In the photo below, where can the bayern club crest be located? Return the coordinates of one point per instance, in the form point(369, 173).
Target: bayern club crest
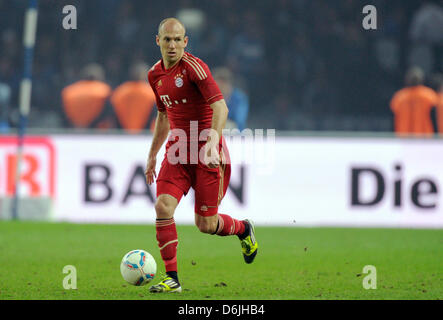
point(179, 80)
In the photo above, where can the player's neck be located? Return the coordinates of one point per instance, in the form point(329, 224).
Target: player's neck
point(172, 65)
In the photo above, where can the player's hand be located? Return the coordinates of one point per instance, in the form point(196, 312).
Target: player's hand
point(150, 170)
point(212, 157)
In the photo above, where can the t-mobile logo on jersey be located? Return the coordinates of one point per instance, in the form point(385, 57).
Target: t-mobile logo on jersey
point(166, 100)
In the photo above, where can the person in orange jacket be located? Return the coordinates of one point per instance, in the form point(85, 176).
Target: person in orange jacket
point(412, 106)
point(84, 102)
point(134, 101)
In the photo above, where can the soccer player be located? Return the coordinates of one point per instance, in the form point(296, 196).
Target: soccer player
point(189, 102)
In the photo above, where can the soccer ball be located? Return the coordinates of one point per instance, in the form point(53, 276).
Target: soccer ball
point(138, 267)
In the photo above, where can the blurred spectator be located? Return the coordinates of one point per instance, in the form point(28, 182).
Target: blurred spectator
point(84, 101)
point(236, 100)
point(213, 42)
point(5, 93)
point(412, 106)
point(134, 100)
point(387, 52)
point(127, 24)
point(427, 23)
point(194, 19)
point(246, 54)
point(426, 31)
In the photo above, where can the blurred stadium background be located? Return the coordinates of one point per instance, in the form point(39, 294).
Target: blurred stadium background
point(309, 60)
point(307, 69)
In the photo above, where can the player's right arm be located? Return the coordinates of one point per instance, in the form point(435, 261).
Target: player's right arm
point(161, 131)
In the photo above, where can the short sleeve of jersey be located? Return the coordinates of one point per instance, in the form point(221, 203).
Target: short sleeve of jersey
point(200, 74)
point(159, 103)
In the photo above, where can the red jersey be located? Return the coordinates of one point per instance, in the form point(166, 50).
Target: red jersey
point(186, 92)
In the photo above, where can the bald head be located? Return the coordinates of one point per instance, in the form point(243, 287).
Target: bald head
point(172, 40)
point(171, 25)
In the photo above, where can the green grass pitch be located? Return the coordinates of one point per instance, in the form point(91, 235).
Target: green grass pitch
point(292, 263)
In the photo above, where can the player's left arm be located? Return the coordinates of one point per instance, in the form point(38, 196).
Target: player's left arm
point(219, 116)
point(201, 75)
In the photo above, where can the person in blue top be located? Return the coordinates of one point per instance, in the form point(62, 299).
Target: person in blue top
point(236, 99)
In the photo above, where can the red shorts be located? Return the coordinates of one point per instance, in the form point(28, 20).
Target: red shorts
point(210, 185)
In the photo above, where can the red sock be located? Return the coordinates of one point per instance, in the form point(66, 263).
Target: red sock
point(228, 226)
point(167, 242)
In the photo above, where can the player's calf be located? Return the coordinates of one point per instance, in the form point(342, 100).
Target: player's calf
point(228, 226)
point(206, 224)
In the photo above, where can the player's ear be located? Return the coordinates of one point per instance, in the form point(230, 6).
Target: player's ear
point(185, 40)
point(157, 40)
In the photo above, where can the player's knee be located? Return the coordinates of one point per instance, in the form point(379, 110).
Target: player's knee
point(163, 210)
point(206, 227)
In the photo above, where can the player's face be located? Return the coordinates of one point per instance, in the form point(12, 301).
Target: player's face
point(172, 43)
